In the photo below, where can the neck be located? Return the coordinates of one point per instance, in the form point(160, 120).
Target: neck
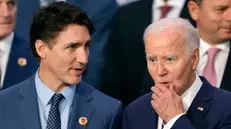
point(50, 80)
point(210, 39)
point(191, 81)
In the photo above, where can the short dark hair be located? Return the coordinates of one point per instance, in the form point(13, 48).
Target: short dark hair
point(49, 21)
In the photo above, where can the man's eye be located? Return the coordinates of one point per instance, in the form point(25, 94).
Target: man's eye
point(87, 45)
point(152, 59)
point(169, 59)
point(72, 46)
point(12, 2)
point(221, 9)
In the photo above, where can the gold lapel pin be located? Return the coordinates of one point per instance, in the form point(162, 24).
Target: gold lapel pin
point(83, 121)
point(22, 61)
point(200, 108)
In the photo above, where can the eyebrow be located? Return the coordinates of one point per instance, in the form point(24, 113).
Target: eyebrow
point(171, 56)
point(72, 43)
point(221, 6)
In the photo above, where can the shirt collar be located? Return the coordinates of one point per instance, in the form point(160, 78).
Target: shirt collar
point(204, 47)
point(5, 43)
point(190, 94)
point(44, 93)
point(178, 4)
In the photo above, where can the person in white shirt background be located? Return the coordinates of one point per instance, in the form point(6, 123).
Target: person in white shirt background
point(213, 19)
point(16, 60)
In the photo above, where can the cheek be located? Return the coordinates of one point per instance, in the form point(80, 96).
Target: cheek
point(180, 72)
point(151, 70)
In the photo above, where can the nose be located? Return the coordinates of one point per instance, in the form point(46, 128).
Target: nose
point(82, 55)
point(161, 69)
point(227, 15)
point(4, 10)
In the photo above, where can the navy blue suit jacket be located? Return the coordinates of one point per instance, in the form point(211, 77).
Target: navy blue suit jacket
point(15, 72)
point(19, 108)
point(216, 113)
point(26, 11)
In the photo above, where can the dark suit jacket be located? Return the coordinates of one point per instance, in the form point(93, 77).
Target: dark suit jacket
point(125, 71)
point(19, 108)
point(226, 81)
point(15, 72)
point(26, 11)
point(216, 113)
point(102, 14)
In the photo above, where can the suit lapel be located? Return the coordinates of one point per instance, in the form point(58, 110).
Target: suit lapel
point(226, 81)
point(201, 104)
point(28, 107)
point(154, 121)
point(81, 107)
point(12, 65)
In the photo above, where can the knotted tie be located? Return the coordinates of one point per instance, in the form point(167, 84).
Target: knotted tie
point(209, 71)
point(54, 121)
point(165, 10)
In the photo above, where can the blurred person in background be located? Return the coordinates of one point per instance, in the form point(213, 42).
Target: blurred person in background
point(213, 19)
point(16, 59)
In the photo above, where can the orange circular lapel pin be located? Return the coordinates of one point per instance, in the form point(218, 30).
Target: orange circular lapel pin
point(83, 121)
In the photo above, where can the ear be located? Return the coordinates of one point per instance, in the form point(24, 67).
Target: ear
point(194, 10)
point(41, 48)
point(195, 58)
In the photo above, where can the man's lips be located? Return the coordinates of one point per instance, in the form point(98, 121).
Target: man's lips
point(78, 71)
point(5, 23)
point(163, 83)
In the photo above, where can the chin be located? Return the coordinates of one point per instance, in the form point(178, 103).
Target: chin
point(75, 80)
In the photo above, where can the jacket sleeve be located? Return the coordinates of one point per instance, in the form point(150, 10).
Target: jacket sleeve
point(183, 123)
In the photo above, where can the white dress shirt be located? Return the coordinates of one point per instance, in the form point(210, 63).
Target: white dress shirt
point(45, 2)
point(187, 98)
point(177, 6)
point(5, 46)
point(220, 59)
point(124, 2)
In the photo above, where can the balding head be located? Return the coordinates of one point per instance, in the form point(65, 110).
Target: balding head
point(172, 53)
point(179, 25)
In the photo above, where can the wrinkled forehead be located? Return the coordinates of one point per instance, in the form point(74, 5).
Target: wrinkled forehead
point(170, 39)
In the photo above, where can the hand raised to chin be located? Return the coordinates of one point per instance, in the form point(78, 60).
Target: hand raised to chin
point(166, 102)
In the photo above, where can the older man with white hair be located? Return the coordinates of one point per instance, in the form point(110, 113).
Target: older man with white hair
point(180, 98)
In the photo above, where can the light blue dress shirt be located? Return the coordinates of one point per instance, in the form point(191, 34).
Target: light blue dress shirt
point(44, 95)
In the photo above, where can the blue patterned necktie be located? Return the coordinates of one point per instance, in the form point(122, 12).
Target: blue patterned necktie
point(54, 120)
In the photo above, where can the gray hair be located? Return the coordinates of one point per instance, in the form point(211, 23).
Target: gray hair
point(179, 24)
